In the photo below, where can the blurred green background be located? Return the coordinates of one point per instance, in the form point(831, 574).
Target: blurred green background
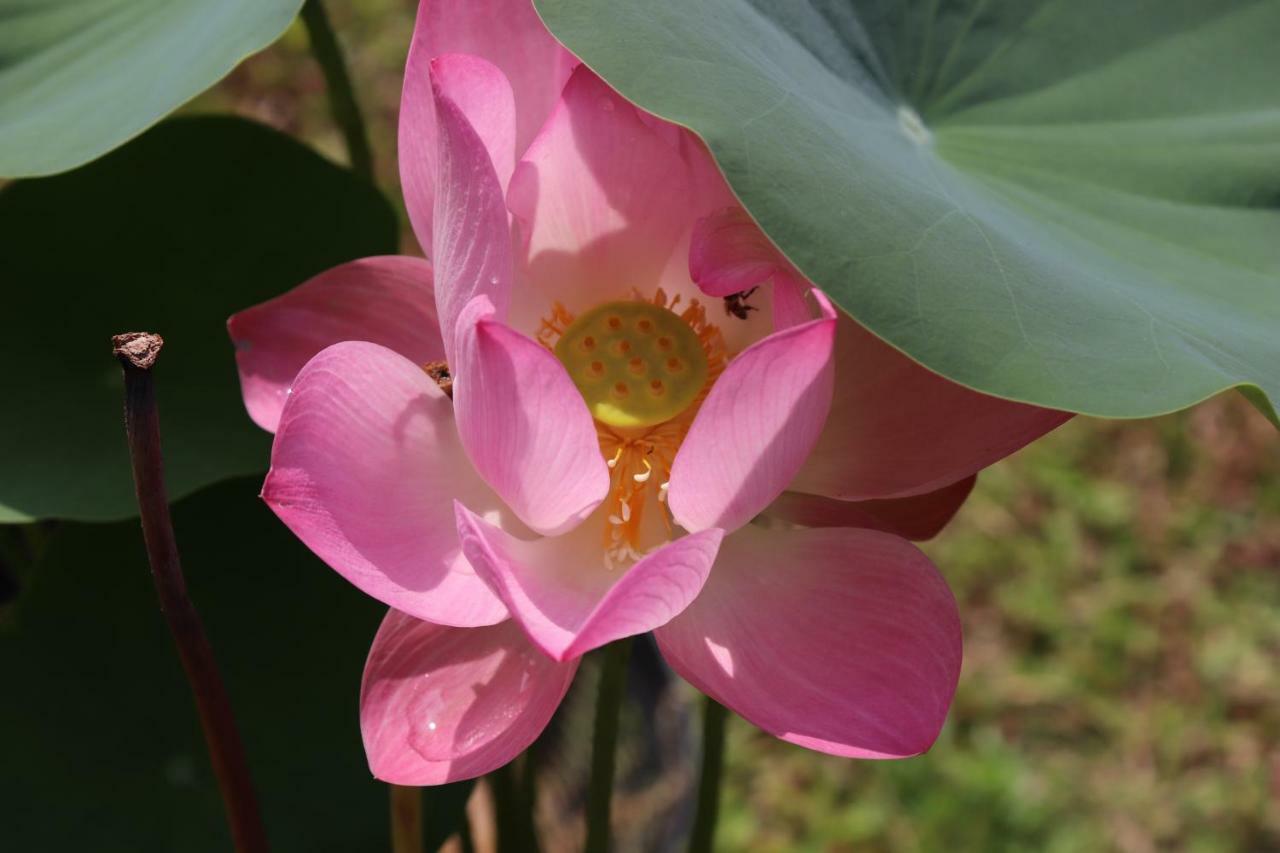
point(1119, 584)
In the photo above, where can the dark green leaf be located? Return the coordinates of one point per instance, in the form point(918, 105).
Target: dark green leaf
point(171, 234)
point(1072, 204)
point(103, 750)
point(78, 78)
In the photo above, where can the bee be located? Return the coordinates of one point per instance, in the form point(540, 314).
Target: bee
point(736, 303)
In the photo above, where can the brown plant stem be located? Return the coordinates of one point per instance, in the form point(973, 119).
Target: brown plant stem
point(137, 353)
point(406, 819)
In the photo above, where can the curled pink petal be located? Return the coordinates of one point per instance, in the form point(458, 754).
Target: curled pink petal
point(509, 34)
point(564, 596)
point(525, 425)
point(917, 518)
point(386, 300)
point(481, 93)
point(755, 429)
point(729, 253)
point(471, 240)
point(843, 641)
point(505, 35)
point(789, 305)
point(441, 704)
point(897, 429)
point(365, 464)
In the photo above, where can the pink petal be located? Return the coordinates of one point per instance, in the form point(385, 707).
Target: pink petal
point(707, 192)
point(441, 704)
point(365, 464)
point(471, 241)
point(897, 429)
point(525, 425)
point(730, 253)
point(918, 518)
point(708, 187)
point(755, 428)
point(606, 200)
point(843, 641)
point(568, 602)
point(789, 305)
point(509, 34)
point(482, 94)
point(386, 300)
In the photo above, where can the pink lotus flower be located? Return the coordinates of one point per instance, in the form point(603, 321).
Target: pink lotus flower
point(612, 432)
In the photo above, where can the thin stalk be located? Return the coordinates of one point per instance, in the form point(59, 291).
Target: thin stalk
point(604, 741)
point(406, 819)
point(137, 354)
point(342, 95)
point(502, 784)
point(714, 717)
point(512, 813)
point(528, 771)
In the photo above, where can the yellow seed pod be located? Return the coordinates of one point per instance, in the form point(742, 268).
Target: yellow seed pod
point(637, 364)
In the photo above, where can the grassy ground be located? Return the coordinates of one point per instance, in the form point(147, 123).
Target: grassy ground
point(1120, 588)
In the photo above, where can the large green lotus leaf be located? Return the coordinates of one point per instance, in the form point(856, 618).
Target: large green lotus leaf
point(79, 77)
point(172, 234)
point(103, 749)
point(1075, 204)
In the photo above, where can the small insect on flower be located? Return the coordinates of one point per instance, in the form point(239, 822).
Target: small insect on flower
point(735, 304)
